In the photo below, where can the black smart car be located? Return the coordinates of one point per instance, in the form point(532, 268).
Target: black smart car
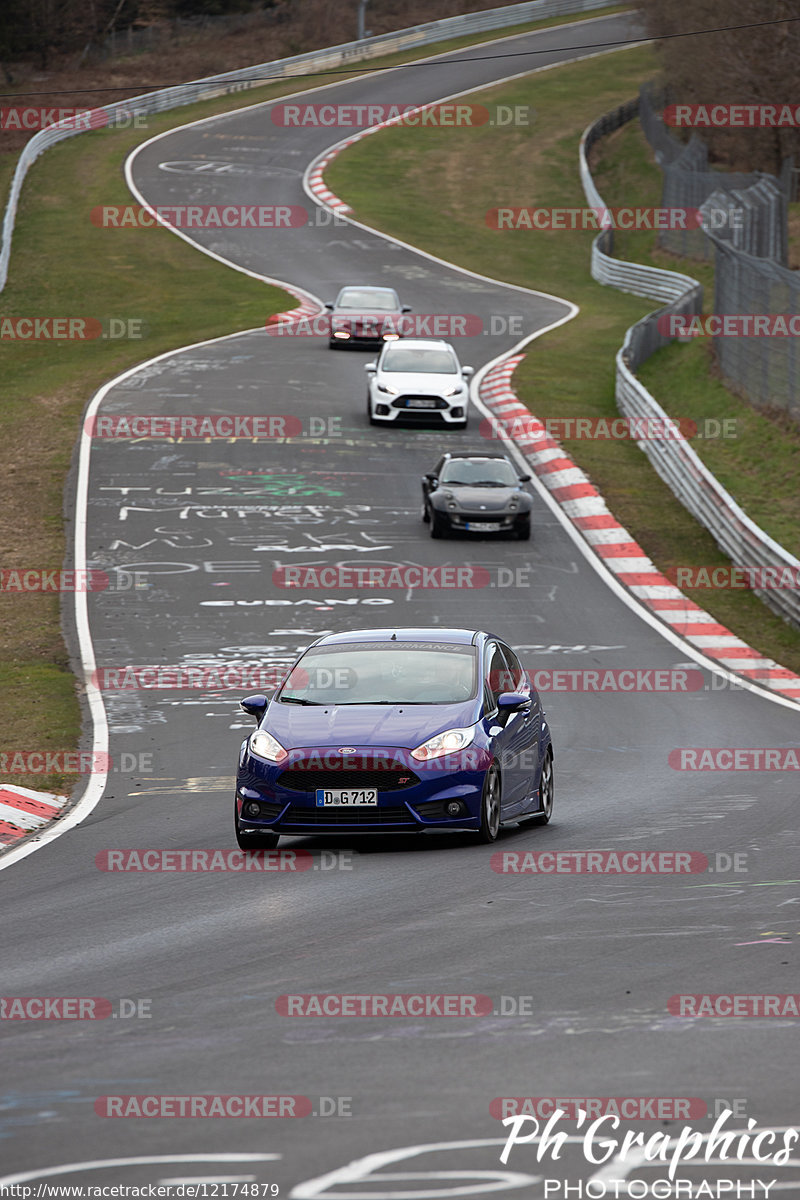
point(476, 493)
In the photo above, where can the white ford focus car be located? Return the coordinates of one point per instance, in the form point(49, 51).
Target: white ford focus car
point(418, 378)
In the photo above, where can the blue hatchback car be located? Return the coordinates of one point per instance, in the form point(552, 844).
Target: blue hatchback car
point(395, 731)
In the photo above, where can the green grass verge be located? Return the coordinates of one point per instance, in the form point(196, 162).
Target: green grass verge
point(433, 188)
point(62, 265)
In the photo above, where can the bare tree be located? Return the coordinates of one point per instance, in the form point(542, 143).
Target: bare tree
point(726, 65)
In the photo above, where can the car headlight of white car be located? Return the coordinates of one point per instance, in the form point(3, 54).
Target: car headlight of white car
point(385, 387)
point(266, 746)
point(449, 742)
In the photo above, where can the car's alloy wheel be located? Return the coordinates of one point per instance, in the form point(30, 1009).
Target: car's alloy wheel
point(253, 841)
point(490, 806)
point(546, 790)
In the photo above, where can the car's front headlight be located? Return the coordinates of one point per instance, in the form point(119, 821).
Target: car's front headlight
point(384, 387)
point(266, 746)
point(454, 391)
point(449, 742)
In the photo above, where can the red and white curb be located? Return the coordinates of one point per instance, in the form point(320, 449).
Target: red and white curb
point(306, 309)
point(624, 557)
point(316, 184)
point(23, 811)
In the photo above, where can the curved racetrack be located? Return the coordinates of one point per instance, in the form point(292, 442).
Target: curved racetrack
point(206, 524)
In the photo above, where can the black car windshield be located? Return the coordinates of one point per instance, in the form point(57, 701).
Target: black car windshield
point(383, 673)
point(477, 473)
point(363, 298)
point(423, 362)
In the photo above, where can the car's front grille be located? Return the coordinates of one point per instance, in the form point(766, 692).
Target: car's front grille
point(299, 779)
point(366, 815)
point(432, 403)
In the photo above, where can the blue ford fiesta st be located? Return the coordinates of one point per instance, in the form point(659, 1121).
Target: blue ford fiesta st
point(395, 731)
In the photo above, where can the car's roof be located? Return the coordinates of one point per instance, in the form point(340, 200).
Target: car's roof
point(479, 457)
point(366, 287)
point(462, 637)
point(420, 344)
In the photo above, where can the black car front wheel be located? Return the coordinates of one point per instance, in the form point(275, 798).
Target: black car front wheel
point(370, 417)
point(253, 841)
point(438, 525)
point(490, 806)
point(522, 529)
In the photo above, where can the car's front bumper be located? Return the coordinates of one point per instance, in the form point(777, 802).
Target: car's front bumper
point(398, 410)
point(417, 807)
point(466, 522)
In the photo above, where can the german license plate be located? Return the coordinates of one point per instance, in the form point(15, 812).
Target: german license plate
point(346, 797)
point(420, 403)
point(483, 526)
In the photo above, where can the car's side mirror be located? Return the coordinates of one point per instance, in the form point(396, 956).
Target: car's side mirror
point(432, 479)
point(513, 701)
point(467, 372)
point(524, 478)
point(255, 706)
point(329, 306)
point(406, 308)
point(371, 368)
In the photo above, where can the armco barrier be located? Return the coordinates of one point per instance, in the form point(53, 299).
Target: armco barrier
point(284, 68)
point(674, 459)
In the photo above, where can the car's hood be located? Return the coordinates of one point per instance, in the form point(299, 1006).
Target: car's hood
point(419, 383)
point(490, 498)
point(360, 725)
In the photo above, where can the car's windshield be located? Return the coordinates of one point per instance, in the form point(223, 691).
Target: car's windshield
point(383, 673)
point(360, 298)
point(424, 362)
point(478, 473)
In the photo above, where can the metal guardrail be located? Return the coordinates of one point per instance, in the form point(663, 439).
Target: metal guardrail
point(673, 459)
point(250, 77)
